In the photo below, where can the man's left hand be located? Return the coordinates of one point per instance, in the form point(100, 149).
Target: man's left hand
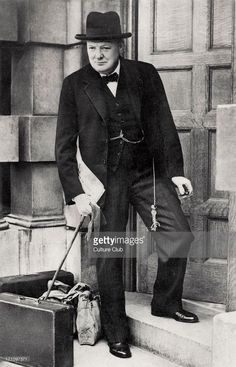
point(183, 185)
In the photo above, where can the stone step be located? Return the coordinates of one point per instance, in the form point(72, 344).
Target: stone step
point(186, 344)
point(99, 356)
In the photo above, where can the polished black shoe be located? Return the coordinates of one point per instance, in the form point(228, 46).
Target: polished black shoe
point(181, 315)
point(120, 350)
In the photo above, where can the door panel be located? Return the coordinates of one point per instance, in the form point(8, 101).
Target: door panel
point(171, 30)
point(221, 23)
point(189, 42)
point(175, 81)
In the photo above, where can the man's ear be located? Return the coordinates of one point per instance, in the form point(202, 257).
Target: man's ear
point(121, 46)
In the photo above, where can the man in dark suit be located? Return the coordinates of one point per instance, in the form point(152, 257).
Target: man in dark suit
point(127, 138)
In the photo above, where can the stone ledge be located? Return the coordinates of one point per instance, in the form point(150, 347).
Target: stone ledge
point(3, 224)
point(36, 222)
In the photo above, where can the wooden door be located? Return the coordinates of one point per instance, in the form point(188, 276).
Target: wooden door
point(189, 42)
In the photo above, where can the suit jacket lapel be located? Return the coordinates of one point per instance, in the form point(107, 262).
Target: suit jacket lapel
point(94, 89)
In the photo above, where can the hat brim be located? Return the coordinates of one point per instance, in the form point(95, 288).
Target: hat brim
point(85, 37)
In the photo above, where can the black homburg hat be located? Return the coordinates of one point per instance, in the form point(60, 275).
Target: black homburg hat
point(103, 26)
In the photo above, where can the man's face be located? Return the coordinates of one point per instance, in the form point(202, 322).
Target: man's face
point(103, 55)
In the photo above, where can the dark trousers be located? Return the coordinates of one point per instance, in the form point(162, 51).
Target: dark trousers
point(129, 184)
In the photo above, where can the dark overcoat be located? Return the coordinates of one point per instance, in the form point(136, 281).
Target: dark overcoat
point(83, 113)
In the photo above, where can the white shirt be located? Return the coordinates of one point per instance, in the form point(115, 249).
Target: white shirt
point(113, 85)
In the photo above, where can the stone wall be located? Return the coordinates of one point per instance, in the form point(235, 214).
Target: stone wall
point(38, 36)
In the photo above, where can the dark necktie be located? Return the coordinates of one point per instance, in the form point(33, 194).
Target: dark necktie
point(110, 78)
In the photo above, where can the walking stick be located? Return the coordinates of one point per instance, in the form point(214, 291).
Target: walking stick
point(77, 229)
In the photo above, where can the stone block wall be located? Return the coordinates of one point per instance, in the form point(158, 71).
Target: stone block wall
point(43, 21)
point(38, 71)
point(37, 75)
point(39, 35)
point(8, 21)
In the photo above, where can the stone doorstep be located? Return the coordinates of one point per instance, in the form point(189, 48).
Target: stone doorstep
point(185, 344)
point(99, 356)
point(211, 309)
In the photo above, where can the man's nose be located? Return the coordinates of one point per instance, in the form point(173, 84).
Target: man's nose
point(99, 54)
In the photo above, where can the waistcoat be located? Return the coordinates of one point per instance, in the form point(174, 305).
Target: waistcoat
point(122, 117)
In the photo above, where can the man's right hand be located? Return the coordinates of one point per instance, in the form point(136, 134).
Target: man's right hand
point(82, 202)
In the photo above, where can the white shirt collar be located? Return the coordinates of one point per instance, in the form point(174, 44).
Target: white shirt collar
point(117, 70)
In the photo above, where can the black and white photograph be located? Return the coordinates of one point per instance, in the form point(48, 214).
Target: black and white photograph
point(118, 183)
